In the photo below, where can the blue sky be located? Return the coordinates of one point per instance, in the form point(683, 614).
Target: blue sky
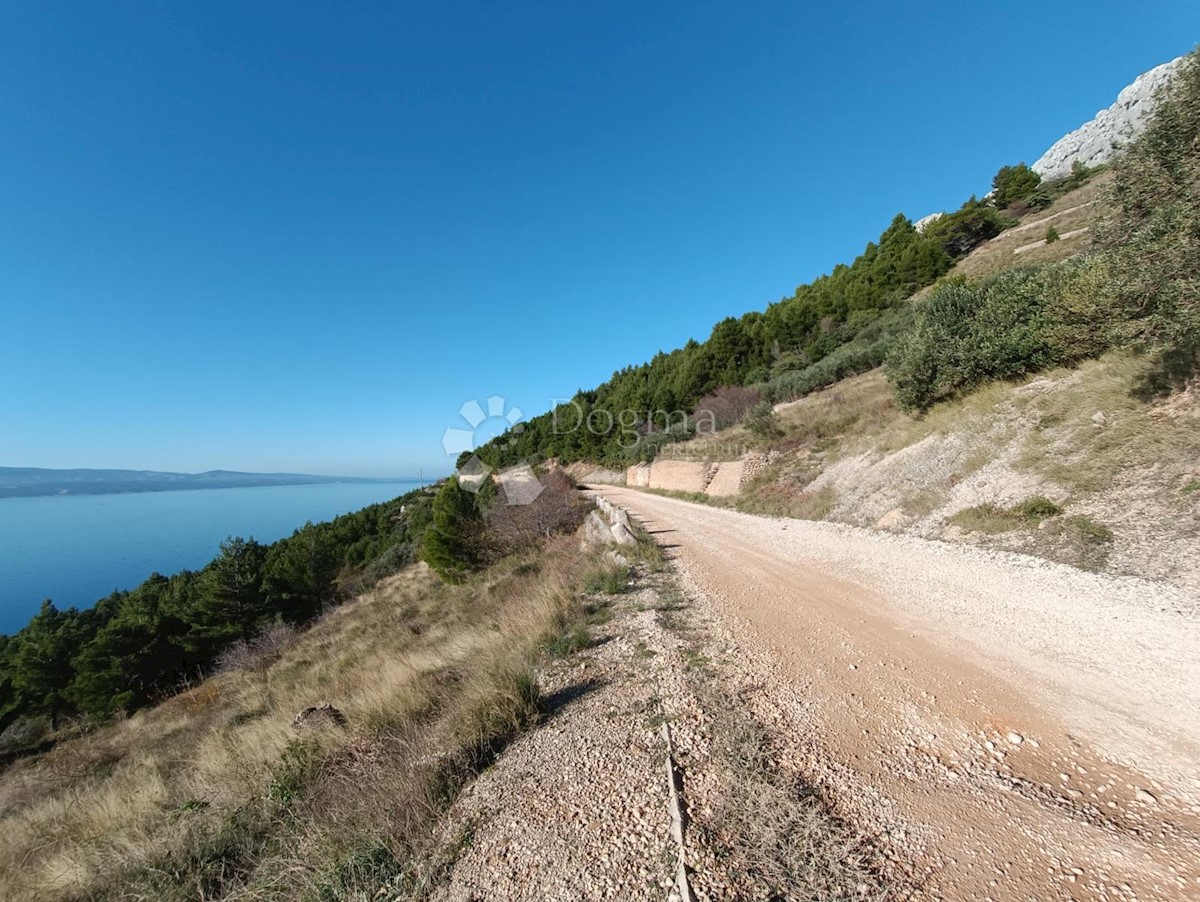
point(298, 236)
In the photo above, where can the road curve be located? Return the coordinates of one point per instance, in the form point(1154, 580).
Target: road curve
point(1037, 726)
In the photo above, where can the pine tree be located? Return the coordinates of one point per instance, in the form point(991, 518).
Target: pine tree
point(230, 604)
point(451, 545)
point(42, 662)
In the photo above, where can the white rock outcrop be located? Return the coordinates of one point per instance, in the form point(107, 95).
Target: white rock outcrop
point(924, 221)
point(1096, 141)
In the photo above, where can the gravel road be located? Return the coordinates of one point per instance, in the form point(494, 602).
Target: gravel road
point(1032, 730)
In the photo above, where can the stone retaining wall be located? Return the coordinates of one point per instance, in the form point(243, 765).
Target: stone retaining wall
point(638, 476)
point(727, 480)
point(679, 475)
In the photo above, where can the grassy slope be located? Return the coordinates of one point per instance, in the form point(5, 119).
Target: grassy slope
point(1122, 468)
point(1072, 212)
point(213, 791)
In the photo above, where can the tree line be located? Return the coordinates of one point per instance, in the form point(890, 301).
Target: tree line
point(785, 344)
point(1136, 288)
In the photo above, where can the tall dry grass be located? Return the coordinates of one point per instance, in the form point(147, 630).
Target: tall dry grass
point(213, 794)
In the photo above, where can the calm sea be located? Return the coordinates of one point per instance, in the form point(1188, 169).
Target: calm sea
point(77, 549)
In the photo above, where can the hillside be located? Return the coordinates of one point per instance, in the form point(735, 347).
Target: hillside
point(1038, 396)
point(847, 322)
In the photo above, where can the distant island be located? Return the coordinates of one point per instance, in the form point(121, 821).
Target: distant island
point(25, 482)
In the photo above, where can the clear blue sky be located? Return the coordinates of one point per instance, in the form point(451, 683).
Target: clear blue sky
point(298, 236)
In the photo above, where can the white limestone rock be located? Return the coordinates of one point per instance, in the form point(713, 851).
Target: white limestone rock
point(1097, 141)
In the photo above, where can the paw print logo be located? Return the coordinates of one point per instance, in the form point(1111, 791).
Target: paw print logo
point(486, 419)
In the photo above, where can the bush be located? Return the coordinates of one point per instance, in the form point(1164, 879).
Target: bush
point(558, 509)
point(258, 651)
point(1149, 239)
point(848, 360)
point(1036, 509)
point(725, 406)
point(969, 226)
point(393, 560)
point(1017, 322)
point(1051, 234)
point(1014, 183)
point(762, 422)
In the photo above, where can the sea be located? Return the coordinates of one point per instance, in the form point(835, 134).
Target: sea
point(76, 549)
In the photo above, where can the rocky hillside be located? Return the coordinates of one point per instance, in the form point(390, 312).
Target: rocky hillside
point(1095, 142)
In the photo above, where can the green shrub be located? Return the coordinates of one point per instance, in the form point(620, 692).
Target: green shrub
point(1149, 239)
point(1014, 183)
point(992, 519)
point(1019, 321)
point(1051, 234)
point(294, 772)
point(848, 360)
point(762, 422)
point(1036, 509)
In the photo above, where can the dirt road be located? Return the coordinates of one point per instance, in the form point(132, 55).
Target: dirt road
point(1036, 729)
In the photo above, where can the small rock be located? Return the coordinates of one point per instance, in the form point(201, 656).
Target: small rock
point(1015, 738)
point(320, 715)
point(1145, 797)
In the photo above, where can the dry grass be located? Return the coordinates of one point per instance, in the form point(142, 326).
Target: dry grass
point(213, 793)
point(1069, 213)
point(1103, 426)
point(782, 498)
point(1094, 437)
point(855, 407)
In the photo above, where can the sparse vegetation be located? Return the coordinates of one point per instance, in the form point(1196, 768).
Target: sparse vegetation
point(607, 579)
point(992, 519)
point(213, 794)
point(770, 823)
point(1081, 541)
point(647, 551)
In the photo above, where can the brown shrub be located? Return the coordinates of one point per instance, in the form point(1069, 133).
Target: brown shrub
point(558, 509)
point(726, 406)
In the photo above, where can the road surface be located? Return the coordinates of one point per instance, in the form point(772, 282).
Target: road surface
point(1035, 727)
